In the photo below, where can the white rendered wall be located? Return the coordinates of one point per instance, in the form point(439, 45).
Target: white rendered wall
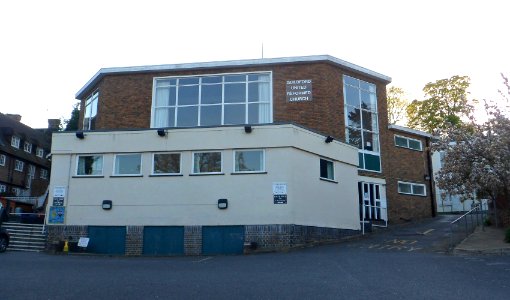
point(291, 157)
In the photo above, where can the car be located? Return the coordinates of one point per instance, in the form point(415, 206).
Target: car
point(4, 240)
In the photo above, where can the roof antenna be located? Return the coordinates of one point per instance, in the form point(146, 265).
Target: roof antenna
point(262, 49)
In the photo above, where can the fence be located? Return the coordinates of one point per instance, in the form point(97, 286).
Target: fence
point(464, 225)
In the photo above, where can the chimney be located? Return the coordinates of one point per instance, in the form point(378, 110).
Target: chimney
point(15, 117)
point(54, 124)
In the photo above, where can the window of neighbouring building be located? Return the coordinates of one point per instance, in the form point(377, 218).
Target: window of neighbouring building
point(89, 119)
point(207, 162)
point(39, 152)
point(16, 191)
point(361, 120)
point(212, 100)
point(246, 161)
point(18, 166)
point(3, 189)
point(89, 165)
point(128, 164)
point(405, 142)
point(2, 160)
point(15, 141)
point(27, 147)
point(166, 163)
point(411, 188)
point(44, 174)
point(327, 170)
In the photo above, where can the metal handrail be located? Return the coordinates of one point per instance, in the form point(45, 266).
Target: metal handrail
point(477, 207)
point(468, 229)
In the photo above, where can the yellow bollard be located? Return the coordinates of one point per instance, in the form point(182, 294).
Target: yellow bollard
point(66, 247)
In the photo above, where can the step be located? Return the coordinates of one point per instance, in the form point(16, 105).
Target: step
point(10, 248)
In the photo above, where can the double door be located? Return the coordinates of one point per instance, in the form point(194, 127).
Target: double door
point(372, 201)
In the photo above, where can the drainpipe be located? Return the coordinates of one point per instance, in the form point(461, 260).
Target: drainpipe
point(431, 180)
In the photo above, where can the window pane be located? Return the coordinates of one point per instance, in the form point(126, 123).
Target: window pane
point(235, 78)
point(249, 161)
point(416, 145)
point(128, 164)
point(404, 188)
point(90, 165)
point(168, 163)
point(400, 141)
point(326, 168)
point(258, 113)
point(366, 101)
point(258, 77)
point(372, 162)
point(210, 115)
point(234, 114)
point(235, 93)
point(258, 92)
point(187, 116)
point(188, 95)
point(371, 141)
point(191, 80)
point(353, 137)
point(165, 96)
point(419, 190)
point(165, 82)
point(164, 117)
point(207, 162)
point(212, 79)
point(353, 116)
point(352, 96)
point(211, 94)
point(351, 81)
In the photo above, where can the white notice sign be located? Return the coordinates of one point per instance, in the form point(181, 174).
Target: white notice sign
point(59, 191)
point(279, 188)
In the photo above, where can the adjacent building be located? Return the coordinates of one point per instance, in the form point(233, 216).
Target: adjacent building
point(206, 158)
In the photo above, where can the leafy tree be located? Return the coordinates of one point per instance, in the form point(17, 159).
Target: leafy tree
point(397, 105)
point(446, 104)
point(72, 123)
point(477, 157)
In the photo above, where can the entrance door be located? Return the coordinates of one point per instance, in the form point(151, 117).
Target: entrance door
point(372, 200)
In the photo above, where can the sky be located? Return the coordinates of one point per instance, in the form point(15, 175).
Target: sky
point(50, 49)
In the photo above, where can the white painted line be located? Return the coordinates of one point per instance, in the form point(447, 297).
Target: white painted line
point(428, 231)
point(202, 260)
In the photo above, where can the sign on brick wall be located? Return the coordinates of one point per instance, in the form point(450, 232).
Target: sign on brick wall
point(299, 90)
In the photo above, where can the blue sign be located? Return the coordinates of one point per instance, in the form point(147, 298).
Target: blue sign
point(56, 215)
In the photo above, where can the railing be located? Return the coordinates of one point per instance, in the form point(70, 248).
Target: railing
point(464, 225)
point(382, 212)
point(26, 200)
point(27, 218)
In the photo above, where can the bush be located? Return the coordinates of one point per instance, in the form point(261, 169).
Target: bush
point(487, 222)
point(507, 235)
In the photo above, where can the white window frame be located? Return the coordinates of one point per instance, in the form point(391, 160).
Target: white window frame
point(15, 141)
point(200, 173)
point(16, 191)
point(114, 173)
point(222, 103)
point(88, 175)
point(19, 165)
point(39, 152)
point(263, 167)
point(407, 142)
point(27, 147)
point(2, 160)
point(91, 103)
point(412, 185)
point(3, 189)
point(43, 174)
point(332, 163)
point(163, 174)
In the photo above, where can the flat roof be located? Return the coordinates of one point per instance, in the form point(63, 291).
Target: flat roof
point(230, 63)
point(410, 130)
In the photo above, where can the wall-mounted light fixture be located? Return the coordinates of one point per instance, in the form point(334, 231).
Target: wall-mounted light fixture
point(161, 132)
point(222, 203)
point(426, 177)
point(247, 129)
point(107, 204)
point(80, 135)
point(329, 139)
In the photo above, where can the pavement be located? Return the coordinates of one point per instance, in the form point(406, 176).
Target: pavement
point(484, 241)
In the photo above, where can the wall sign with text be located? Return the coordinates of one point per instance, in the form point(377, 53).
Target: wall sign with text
point(299, 90)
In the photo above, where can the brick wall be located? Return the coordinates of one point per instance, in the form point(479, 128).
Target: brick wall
point(192, 240)
point(134, 240)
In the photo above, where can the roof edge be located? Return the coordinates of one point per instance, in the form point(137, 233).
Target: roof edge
point(410, 130)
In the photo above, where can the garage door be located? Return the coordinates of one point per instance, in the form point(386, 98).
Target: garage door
point(163, 240)
point(107, 239)
point(222, 240)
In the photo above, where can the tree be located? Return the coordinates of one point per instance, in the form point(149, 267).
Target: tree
point(72, 123)
point(446, 104)
point(397, 105)
point(477, 157)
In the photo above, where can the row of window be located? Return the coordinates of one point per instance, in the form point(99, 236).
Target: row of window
point(27, 147)
point(20, 165)
point(410, 188)
point(409, 143)
point(15, 190)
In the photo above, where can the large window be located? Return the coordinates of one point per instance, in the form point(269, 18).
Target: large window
point(89, 119)
point(2, 160)
point(362, 129)
point(44, 174)
point(212, 100)
point(207, 162)
point(18, 166)
point(166, 163)
point(27, 147)
point(327, 170)
point(246, 161)
point(128, 164)
point(3, 189)
point(405, 142)
point(15, 141)
point(39, 152)
point(411, 188)
point(90, 165)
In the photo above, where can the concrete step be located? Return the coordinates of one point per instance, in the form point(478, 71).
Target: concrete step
point(25, 237)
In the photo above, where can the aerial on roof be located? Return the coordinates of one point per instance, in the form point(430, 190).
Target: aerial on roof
point(231, 63)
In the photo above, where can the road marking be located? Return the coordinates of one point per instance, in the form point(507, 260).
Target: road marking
point(202, 260)
point(428, 231)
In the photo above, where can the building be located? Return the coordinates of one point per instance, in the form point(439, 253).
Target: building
point(309, 135)
point(24, 165)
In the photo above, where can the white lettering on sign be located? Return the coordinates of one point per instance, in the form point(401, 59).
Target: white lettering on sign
point(299, 90)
